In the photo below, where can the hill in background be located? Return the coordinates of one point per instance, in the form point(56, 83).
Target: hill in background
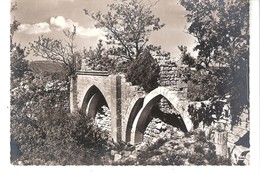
point(45, 68)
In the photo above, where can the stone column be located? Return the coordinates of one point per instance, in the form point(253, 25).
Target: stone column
point(116, 108)
point(221, 143)
point(84, 64)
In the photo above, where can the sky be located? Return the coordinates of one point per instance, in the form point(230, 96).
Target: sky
point(51, 17)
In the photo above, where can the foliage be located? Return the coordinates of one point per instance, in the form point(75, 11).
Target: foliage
point(88, 135)
point(17, 54)
point(128, 25)
point(186, 58)
point(19, 65)
point(98, 59)
point(204, 84)
point(221, 29)
point(40, 124)
point(144, 71)
point(204, 152)
point(222, 32)
point(207, 113)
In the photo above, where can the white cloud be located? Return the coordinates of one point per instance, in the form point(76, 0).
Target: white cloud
point(37, 28)
point(60, 23)
point(91, 32)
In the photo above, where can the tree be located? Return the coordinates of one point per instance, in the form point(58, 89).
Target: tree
point(186, 58)
point(19, 65)
point(57, 50)
point(221, 29)
point(128, 25)
point(97, 59)
point(222, 32)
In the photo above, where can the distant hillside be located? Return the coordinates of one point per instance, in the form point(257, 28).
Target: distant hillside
point(47, 67)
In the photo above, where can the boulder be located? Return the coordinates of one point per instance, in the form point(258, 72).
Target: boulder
point(180, 134)
point(142, 147)
point(117, 157)
point(113, 152)
point(127, 153)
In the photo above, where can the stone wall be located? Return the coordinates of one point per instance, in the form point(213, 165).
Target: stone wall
point(103, 119)
point(171, 78)
point(121, 97)
point(154, 129)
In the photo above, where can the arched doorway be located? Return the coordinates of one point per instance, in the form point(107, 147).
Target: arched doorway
point(96, 109)
point(150, 103)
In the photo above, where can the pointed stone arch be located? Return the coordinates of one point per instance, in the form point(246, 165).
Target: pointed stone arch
point(92, 99)
point(150, 100)
point(134, 108)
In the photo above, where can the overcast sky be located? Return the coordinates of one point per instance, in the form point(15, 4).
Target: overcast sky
point(50, 17)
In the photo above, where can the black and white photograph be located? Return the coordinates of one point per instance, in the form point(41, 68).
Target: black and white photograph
point(117, 83)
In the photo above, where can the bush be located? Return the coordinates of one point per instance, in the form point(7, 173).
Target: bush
point(205, 83)
point(199, 149)
point(205, 112)
point(197, 159)
point(87, 135)
point(144, 71)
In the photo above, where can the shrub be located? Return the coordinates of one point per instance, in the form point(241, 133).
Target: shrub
point(198, 149)
point(186, 144)
point(197, 159)
point(144, 71)
point(88, 135)
point(172, 159)
point(205, 113)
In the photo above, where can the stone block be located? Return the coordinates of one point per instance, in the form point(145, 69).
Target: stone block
point(159, 126)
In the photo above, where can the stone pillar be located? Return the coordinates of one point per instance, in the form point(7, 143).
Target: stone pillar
point(220, 141)
point(73, 93)
point(84, 64)
point(116, 108)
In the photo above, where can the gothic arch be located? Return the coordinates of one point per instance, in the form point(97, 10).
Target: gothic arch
point(93, 98)
point(150, 100)
point(135, 106)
